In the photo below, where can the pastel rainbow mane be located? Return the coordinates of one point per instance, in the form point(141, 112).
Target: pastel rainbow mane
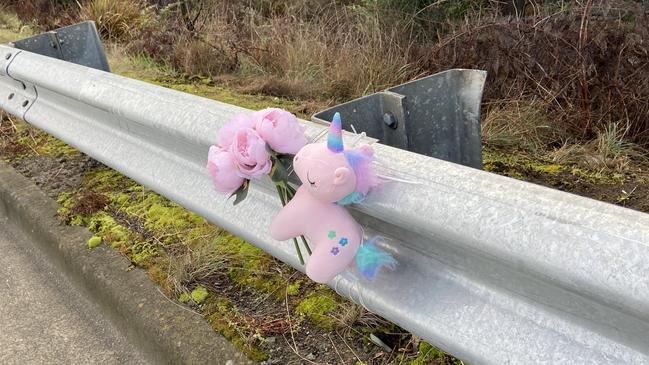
point(360, 160)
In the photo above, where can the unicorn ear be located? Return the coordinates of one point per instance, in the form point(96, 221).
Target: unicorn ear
point(342, 175)
point(335, 137)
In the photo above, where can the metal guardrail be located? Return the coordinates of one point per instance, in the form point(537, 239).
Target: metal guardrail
point(492, 270)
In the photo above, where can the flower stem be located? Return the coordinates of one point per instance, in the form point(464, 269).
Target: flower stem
point(299, 253)
point(306, 245)
point(283, 194)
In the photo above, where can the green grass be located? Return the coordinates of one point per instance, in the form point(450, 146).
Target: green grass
point(11, 28)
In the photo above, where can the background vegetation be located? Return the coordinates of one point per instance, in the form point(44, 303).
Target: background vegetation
point(581, 62)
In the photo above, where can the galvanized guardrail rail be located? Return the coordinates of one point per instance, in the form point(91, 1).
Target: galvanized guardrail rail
point(492, 270)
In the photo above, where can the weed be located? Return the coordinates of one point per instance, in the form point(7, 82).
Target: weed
point(520, 124)
point(115, 19)
point(199, 294)
point(610, 150)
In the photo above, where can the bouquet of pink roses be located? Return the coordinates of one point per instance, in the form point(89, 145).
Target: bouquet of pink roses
point(253, 145)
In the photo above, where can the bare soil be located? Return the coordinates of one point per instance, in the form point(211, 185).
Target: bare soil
point(55, 175)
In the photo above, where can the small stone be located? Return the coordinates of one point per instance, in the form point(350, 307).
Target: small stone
point(310, 357)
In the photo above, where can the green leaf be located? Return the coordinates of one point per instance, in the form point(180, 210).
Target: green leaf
point(278, 173)
point(241, 193)
point(286, 160)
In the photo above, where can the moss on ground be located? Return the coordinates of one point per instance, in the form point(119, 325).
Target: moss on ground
point(184, 298)
point(199, 294)
point(427, 354)
point(151, 230)
point(93, 242)
point(524, 167)
point(318, 306)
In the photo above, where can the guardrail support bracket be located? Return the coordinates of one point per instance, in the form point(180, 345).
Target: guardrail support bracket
point(78, 43)
point(437, 116)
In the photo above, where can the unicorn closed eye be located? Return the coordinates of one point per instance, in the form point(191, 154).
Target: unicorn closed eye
point(331, 178)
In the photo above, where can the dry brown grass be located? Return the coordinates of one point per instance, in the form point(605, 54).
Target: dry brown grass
point(89, 203)
point(350, 316)
point(558, 76)
point(525, 127)
point(194, 263)
point(521, 124)
point(339, 53)
point(587, 61)
point(115, 19)
point(44, 14)
point(584, 63)
point(325, 60)
point(610, 150)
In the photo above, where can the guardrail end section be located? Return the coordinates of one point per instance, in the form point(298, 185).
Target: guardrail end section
point(437, 116)
point(77, 43)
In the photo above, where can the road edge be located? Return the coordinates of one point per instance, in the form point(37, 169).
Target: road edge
point(165, 331)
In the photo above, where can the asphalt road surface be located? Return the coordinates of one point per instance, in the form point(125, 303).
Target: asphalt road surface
point(44, 319)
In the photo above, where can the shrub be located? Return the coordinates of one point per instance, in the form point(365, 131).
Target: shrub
point(114, 18)
point(587, 64)
point(47, 14)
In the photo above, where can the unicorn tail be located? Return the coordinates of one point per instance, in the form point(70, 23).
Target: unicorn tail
point(370, 259)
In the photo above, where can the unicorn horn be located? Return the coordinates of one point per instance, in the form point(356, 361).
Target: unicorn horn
point(335, 137)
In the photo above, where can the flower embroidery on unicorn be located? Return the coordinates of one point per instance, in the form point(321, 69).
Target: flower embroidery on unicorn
point(331, 178)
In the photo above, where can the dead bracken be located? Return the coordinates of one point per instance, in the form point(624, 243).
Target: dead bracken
point(89, 203)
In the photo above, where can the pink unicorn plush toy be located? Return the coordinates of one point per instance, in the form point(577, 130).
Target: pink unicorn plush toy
point(331, 177)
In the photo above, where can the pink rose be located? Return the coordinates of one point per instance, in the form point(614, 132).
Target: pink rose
point(223, 168)
point(280, 129)
point(227, 132)
point(249, 152)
